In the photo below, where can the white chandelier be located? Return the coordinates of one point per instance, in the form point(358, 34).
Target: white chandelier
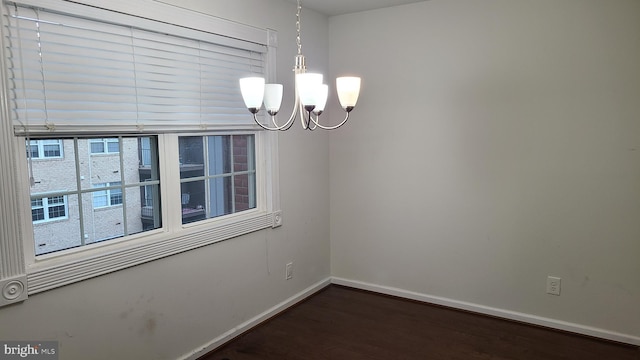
point(310, 94)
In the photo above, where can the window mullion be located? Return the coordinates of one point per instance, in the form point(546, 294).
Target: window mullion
point(207, 181)
point(233, 175)
point(169, 172)
point(155, 177)
point(123, 191)
point(45, 208)
point(79, 193)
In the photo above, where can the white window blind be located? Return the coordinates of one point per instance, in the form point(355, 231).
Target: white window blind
point(71, 74)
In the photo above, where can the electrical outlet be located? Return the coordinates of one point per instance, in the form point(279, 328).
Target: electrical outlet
point(553, 285)
point(289, 271)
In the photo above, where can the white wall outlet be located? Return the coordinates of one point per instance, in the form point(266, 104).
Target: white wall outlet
point(289, 271)
point(553, 285)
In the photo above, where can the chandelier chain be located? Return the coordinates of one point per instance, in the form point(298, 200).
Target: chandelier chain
point(298, 41)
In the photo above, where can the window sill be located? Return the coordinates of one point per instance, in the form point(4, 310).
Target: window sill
point(50, 273)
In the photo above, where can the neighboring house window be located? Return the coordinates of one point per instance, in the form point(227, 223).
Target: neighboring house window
point(109, 197)
point(45, 149)
point(104, 146)
point(48, 208)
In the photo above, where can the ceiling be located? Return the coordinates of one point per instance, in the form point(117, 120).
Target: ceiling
point(339, 7)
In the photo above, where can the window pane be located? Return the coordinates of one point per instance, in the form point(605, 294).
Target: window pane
point(55, 175)
point(104, 223)
point(32, 149)
point(51, 151)
point(229, 173)
point(147, 171)
point(100, 170)
point(145, 151)
point(100, 198)
point(251, 152)
point(101, 210)
point(56, 200)
point(243, 154)
point(59, 234)
point(219, 155)
point(150, 207)
point(37, 214)
point(191, 150)
point(97, 147)
point(115, 197)
point(220, 196)
point(244, 190)
point(113, 146)
point(193, 201)
point(57, 212)
point(133, 210)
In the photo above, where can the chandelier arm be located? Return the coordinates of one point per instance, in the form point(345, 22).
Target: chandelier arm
point(317, 123)
point(294, 111)
point(276, 127)
point(311, 123)
point(255, 118)
point(282, 127)
point(303, 119)
point(287, 125)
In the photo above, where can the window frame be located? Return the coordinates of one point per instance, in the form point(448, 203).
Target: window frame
point(43, 271)
point(232, 174)
point(25, 274)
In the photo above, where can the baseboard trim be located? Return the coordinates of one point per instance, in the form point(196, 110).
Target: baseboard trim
point(506, 314)
point(229, 335)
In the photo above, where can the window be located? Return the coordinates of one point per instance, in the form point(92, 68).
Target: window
point(79, 86)
point(44, 149)
point(218, 175)
point(108, 197)
point(48, 208)
point(95, 204)
point(104, 146)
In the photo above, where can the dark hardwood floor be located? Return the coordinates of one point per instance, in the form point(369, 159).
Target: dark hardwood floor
point(341, 323)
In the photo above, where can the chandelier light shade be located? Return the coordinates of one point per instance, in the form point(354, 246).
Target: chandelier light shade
point(252, 89)
point(272, 98)
point(310, 94)
point(348, 90)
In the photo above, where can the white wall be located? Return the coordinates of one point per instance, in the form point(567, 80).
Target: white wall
point(167, 308)
point(496, 142)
